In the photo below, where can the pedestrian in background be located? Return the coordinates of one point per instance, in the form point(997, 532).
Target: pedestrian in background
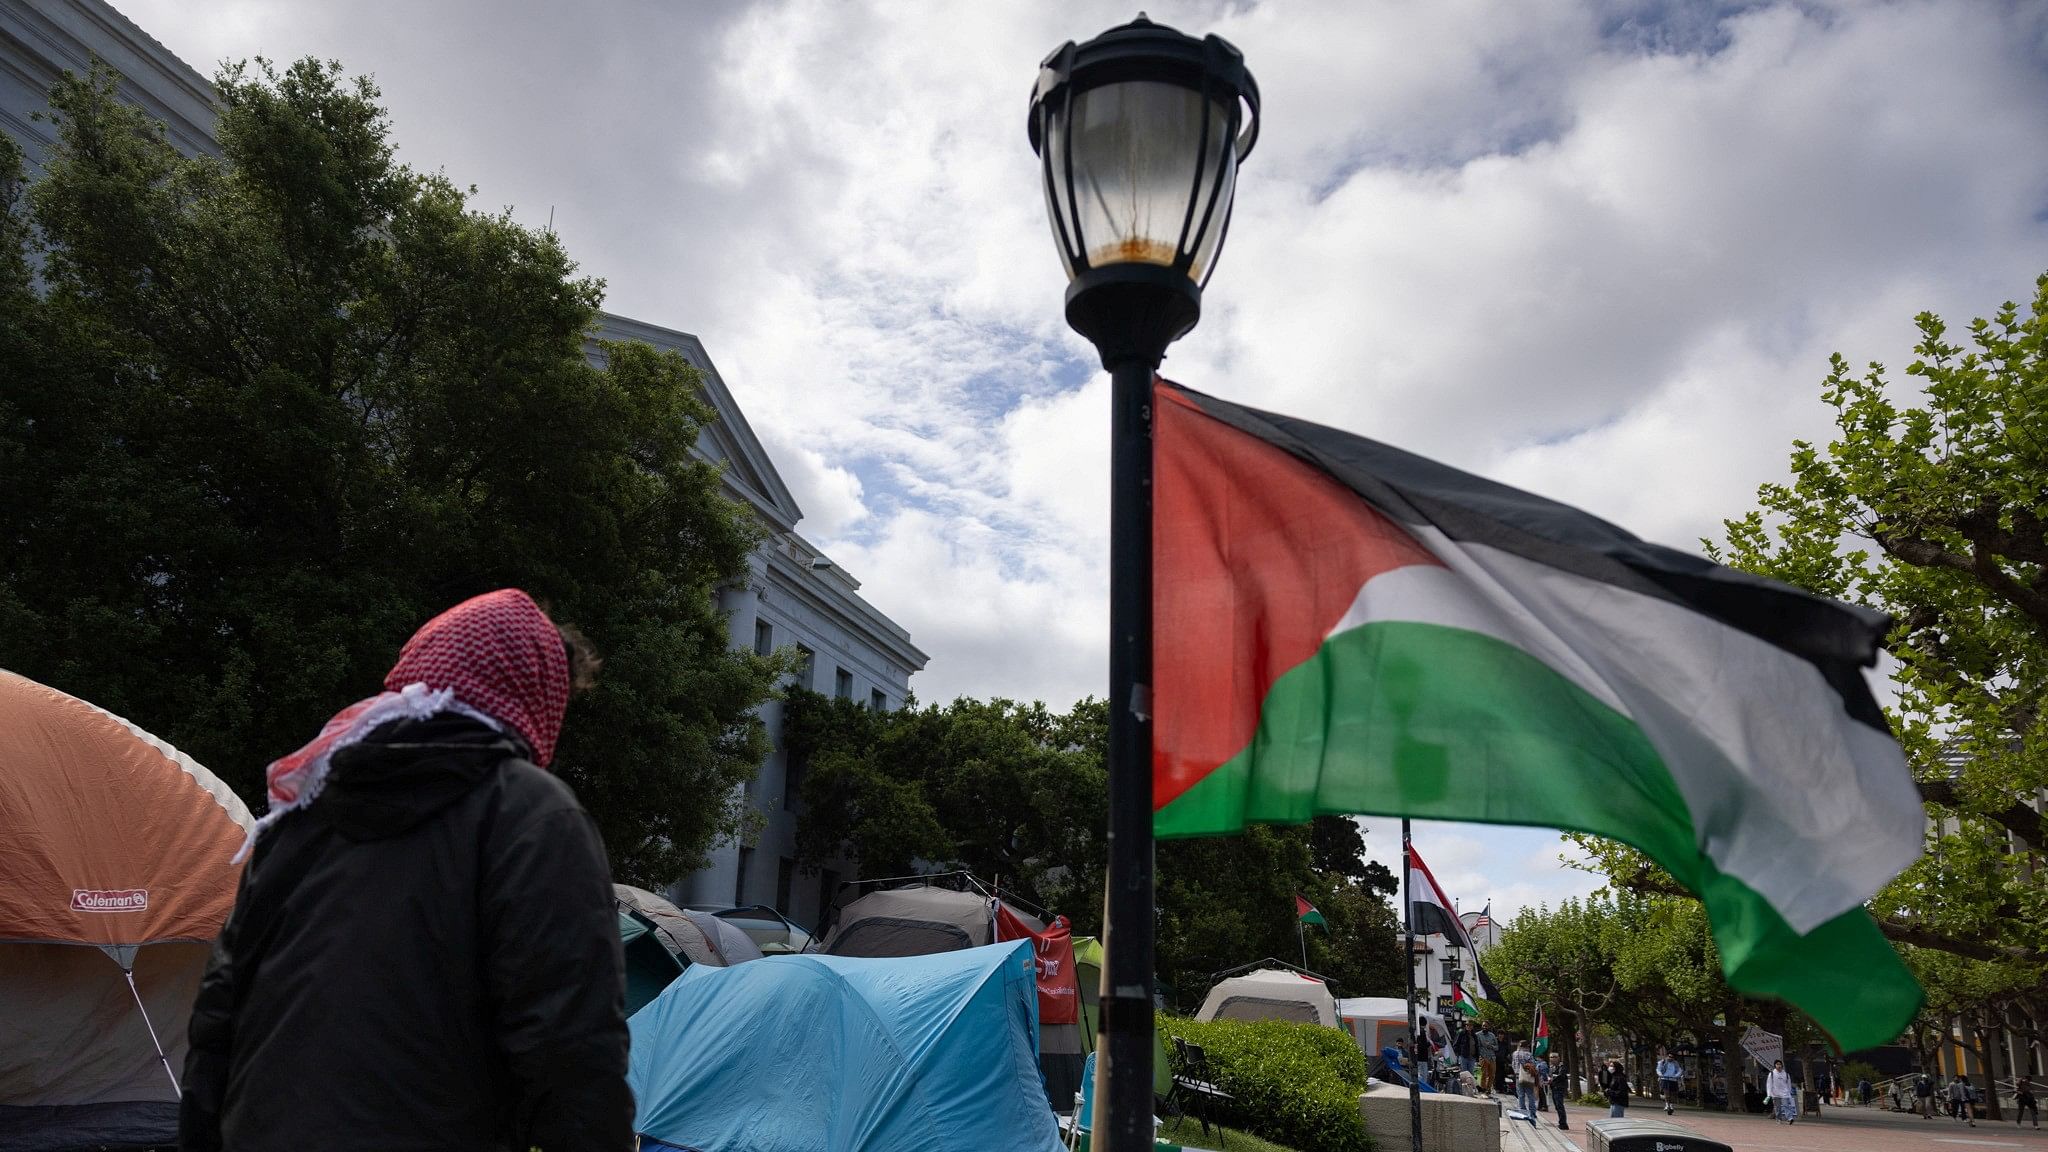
point(1560, 1089)
point(1614, 1085)
point(1779, 1095)
point(1542, 1084)
point(1959, 1100)
point(424, 950)
point(1489, 1049)
point(1523, 1065)
point(1669, 1075)
point(2024, 1091)
point(1923, 1094)
point(1466, 1047)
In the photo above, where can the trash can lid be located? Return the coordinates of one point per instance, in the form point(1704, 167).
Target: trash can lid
point(1626, 1135)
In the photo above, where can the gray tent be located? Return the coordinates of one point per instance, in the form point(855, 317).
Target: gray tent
point(921, 921)
point(692, 937)
point(912, 922)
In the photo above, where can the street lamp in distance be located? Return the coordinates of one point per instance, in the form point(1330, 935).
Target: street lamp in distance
point(1139, 133)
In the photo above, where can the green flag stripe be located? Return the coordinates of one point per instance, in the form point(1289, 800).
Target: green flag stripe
point(1398, 718)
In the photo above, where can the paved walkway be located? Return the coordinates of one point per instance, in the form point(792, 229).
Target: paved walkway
point(1836, 1130)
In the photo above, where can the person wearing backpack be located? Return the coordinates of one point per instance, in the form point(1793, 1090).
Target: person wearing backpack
point(1524, 1067)
point(1670, 1073)
point(1779, 1093)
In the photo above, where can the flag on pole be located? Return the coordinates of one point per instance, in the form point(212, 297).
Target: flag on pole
point(1540, 1044)
point(1433, 915)
point(1307, 914)
point(1462, 1002)
point(1342, 627)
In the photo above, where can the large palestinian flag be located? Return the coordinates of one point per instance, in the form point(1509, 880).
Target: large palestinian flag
point(1343, 627)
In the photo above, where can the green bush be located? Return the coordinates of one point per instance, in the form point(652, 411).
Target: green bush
point(1856, 1071)
point(1294, 1084)
point(1592, 1100)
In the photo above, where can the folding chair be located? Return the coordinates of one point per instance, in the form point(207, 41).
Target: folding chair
point(1194, 1087)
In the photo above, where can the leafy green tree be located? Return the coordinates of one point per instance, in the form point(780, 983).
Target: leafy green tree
point(263, 415)
point(1019, 794)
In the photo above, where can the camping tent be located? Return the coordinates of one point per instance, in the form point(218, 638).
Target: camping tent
point(115, 875)
point(816, 1053)
point(1378, 1022)
point(912, 922)
point(1271, 994)
point(692, 937)
point(771, 931)
point(650, 966)
point(924, 920)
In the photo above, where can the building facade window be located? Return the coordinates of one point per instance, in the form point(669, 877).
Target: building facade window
point(739, 880)
point(877, 701)
point(785, 875)
point(842, 684)
point(793, 766)
point(764, 637)
point(1449, 966)
point(807, 669)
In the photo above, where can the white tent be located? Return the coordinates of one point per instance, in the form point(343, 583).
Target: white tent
point(1271, 994)
point(1377, 1022)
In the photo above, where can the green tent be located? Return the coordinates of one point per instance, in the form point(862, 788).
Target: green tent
point(1088, 969)
point(650, 966)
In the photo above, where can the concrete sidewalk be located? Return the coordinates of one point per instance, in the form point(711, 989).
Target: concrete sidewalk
point(1835, 1130)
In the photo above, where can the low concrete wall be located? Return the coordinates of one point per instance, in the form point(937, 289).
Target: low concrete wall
point(1449, 1123)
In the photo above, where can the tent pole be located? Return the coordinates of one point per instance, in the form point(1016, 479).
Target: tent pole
point(158, 1044)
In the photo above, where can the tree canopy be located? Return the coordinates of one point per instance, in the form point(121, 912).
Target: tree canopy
point(1018, 794)
point(262, 415)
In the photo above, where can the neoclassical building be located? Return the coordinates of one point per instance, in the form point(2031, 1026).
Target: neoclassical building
point(794, 596)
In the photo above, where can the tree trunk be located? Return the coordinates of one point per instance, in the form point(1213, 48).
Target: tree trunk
point(1734, 1061)
point(1990, 1042)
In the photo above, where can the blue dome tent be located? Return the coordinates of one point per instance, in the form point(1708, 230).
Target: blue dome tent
point(813, 1053)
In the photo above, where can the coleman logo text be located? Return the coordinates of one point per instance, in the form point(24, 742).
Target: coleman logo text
point(121, 900)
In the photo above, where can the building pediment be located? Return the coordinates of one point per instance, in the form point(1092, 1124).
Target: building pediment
point(728, 441)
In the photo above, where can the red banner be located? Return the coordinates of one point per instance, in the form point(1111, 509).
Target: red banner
point(1059, 990)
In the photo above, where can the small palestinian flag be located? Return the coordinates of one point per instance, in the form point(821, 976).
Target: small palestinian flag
point(1343, 627)
point(1462, 1002)
point(1541, 1044)
point(1307, 914)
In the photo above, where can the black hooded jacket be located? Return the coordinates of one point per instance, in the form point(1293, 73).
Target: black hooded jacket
point(426, 957)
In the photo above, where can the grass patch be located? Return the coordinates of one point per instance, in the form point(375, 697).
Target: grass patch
point(1191, 1133)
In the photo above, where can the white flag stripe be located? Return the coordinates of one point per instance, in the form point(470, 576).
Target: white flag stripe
point(1814, 814)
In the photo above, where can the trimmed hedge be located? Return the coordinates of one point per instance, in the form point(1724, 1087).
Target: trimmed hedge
point(1294, 1084)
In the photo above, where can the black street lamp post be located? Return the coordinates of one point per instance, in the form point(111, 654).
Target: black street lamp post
point(1139, 133)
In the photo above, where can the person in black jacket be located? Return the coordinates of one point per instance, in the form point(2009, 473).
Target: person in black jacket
point(1614, 1085)
point(1560, 1088)
point(424, 951)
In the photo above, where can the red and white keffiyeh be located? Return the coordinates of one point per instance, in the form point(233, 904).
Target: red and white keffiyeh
point(496, 657)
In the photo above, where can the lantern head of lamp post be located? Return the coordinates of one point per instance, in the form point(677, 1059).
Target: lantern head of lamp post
point(1139, 133)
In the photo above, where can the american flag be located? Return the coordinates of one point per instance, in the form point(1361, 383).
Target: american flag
point(1485, 916)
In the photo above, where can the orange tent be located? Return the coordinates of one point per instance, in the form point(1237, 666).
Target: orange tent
point(114, 878)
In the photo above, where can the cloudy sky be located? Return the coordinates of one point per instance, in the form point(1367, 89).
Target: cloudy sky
point(1598, 249)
